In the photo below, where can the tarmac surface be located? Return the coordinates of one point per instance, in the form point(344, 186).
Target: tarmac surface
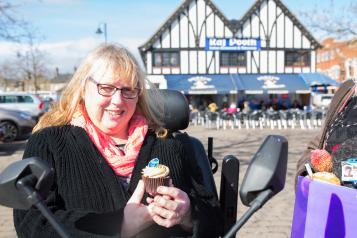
point(273, 220)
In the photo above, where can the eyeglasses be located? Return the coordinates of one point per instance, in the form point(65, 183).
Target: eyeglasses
point(108, 90)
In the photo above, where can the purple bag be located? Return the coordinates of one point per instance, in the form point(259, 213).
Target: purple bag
point(324, 210)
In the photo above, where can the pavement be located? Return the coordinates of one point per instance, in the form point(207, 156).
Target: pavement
point(8, 154)
point(273, 220)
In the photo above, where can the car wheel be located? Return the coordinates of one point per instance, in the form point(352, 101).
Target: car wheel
point(10, 131)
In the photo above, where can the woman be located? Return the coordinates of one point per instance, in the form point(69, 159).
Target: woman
point(98, 139)
point(339, 132)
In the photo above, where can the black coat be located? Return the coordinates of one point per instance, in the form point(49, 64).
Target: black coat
point(89, 198)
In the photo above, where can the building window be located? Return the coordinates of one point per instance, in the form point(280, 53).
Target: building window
point(351, 71)
point(166, 59)
point(233, 59)
point(298, 58)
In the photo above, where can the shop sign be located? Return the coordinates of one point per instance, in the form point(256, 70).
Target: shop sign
point(232, 44)
point(270, 82)
point(200, 82)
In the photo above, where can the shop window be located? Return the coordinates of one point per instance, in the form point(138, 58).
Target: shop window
point(166, 59)
point(297, 58)
point(233, 59)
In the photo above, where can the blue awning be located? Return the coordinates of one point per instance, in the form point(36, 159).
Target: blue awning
point(271, 83)
point(202, 83)
point(313, 79)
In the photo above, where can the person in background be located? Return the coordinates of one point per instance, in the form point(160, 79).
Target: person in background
point(338, 135)
point(262, 106)
point(225, 101)
point(98, 138)
point(296, 105)
point(252, 104)
point(274, 104)
point(212, 107)
point(232, 107)
point(202, 105)
point(246, 107)
point(284, 106)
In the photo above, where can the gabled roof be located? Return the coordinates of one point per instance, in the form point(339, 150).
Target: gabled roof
point(234, 25)
point(175, 15)
point(286, 11)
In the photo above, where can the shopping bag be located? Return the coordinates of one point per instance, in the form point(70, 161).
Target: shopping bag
point(324, 210)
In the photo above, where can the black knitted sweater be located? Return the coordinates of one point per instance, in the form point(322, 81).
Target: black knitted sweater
point(89, 198)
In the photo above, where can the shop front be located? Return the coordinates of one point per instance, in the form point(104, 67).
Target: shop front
point(255, 88)
point(284, 90)
point(204, 89)
point(208, 57)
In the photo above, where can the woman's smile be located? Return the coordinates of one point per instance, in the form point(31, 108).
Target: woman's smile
point(114, 112)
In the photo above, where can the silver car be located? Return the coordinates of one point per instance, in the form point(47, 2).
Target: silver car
point(22, 101)
point(15, 125)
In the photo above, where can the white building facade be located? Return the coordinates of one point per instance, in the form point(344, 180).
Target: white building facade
point(198, 45)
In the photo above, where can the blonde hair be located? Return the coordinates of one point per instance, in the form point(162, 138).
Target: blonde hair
point(107, 58)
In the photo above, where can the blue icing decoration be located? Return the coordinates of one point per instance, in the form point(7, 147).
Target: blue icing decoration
point(154, 162)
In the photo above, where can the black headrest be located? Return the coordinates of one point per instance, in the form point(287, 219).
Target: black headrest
point(175, 112)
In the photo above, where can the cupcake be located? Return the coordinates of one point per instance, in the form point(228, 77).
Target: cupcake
point(155, 175)
point(326, 177)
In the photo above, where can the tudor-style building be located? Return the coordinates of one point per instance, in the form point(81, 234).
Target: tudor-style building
point(199, 51)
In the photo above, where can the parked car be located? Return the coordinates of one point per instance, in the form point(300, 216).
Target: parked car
point(321, 99)
point(15, 125)
point(47, 104)
point(22, 101)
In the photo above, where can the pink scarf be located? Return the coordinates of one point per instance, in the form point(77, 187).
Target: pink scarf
point(121, 162)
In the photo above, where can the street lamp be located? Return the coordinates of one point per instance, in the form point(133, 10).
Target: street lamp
point(100, 31)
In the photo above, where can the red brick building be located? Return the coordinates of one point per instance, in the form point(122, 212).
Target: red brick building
point(338, 59)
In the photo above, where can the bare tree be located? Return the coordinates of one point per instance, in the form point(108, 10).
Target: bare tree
point(11, 26)
point(31, 60)
point(332, 21)
point(8, 75)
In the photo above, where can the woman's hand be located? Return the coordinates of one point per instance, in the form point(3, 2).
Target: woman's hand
point(137, 216)
point(171, 207)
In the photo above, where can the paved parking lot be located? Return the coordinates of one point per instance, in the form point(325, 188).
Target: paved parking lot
point(272, 221)
point(8, 154)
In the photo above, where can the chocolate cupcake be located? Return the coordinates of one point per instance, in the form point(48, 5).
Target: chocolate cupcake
point(155, 175)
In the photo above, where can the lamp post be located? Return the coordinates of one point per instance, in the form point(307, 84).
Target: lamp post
point(100, 31)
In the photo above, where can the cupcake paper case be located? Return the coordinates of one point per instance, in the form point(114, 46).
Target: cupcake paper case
point(155, 176)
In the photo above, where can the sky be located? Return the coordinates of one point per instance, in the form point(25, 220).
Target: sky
point(66, 28)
